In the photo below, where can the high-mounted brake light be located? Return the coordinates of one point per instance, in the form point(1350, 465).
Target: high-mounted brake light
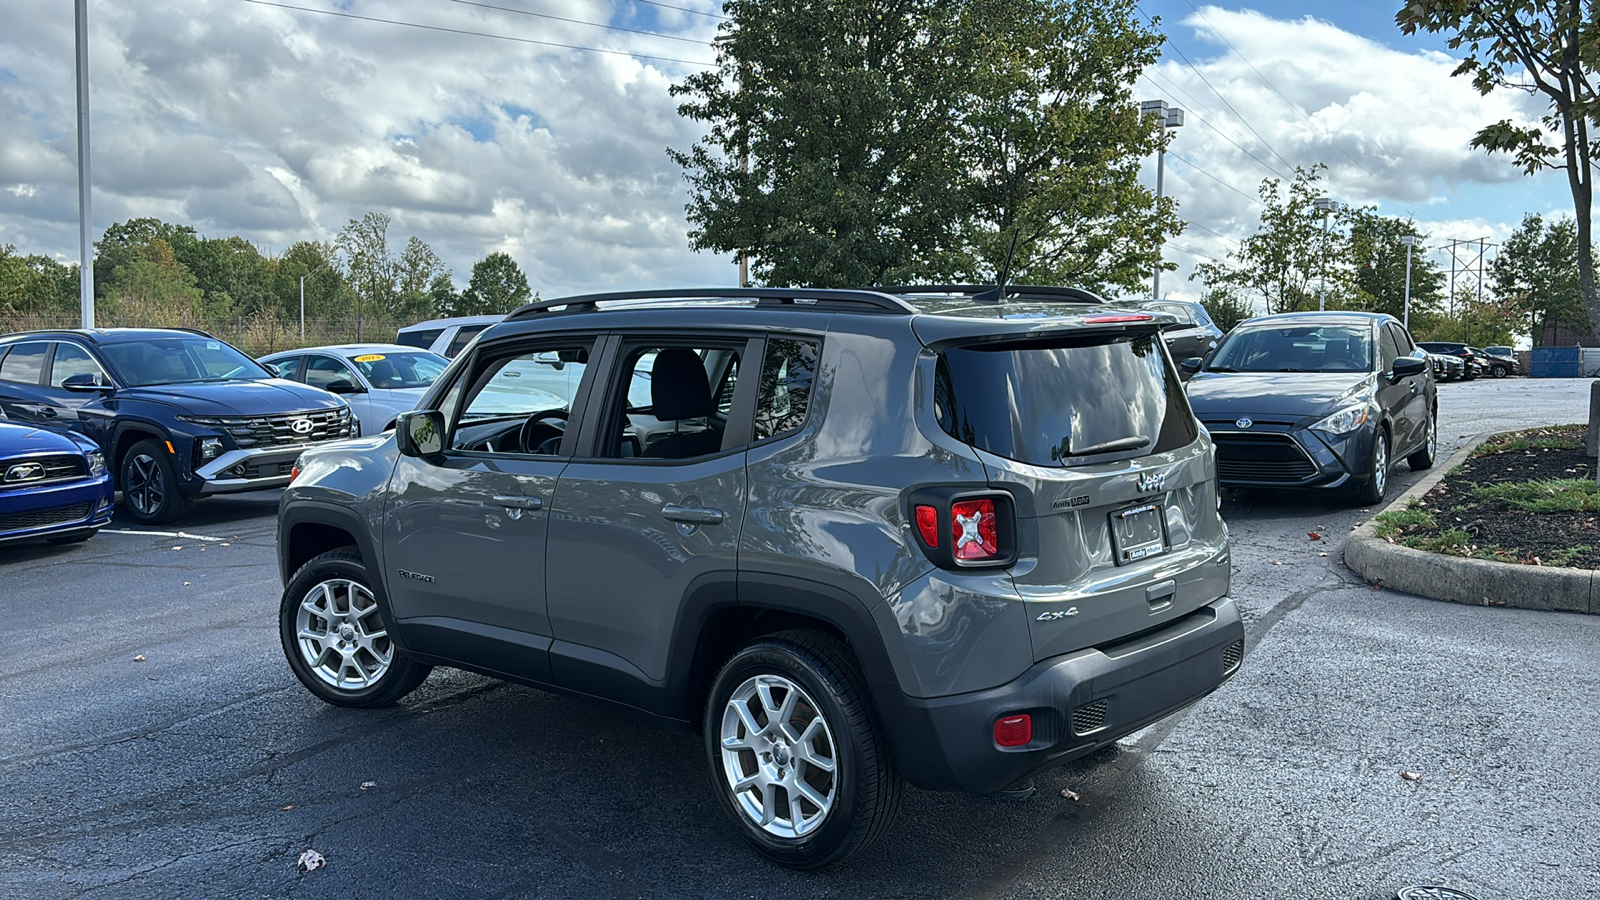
point(974, 533)
point(1109, 319)
point(928, 525)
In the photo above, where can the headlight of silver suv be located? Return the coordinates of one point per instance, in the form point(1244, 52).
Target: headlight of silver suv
point(1344, 421)
point(97, 463)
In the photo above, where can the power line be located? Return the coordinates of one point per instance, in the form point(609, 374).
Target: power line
point(1256, 200)
point(709, 15)
point(1213, 233)
point(524, 12)
point(1195, 69)
point(1183, 249)
point(1292, 105)
point(1203, 121)
point(500, 37)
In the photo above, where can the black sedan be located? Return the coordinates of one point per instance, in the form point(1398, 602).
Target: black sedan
point(1317, 400)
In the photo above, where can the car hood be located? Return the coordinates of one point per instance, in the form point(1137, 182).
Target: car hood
point(1282, 395)
point(16, 440)
point(236, 398)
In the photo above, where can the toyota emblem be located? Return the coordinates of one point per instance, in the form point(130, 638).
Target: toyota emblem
point(301, 426)
point(1244, 423)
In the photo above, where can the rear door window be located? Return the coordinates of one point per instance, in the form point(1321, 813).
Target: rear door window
point(1073, 402)
point(25, 363)
point(423, 338)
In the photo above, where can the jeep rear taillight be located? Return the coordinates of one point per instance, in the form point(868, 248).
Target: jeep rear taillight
point(974, 530)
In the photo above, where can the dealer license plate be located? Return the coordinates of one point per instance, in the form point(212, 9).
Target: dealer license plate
point(1139, 533)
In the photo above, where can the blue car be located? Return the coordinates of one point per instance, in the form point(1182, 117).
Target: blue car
point(52, 485)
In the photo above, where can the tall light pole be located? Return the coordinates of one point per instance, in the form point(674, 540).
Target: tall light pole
point(1410, 240)
point(320, 267)
point(1324, 205)
point(85, 245)
point(1171, 117)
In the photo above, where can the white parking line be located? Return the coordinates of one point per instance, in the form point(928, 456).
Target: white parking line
point(173, 534)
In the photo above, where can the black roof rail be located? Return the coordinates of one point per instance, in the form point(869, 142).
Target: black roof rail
point(830, 299)
point(991, 293)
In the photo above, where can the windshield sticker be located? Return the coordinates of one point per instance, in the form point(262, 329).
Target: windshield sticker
point(370, 357)
point(213, 345)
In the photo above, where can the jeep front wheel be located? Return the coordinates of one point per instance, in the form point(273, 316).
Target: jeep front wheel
point(335, 638)
point(796, 757)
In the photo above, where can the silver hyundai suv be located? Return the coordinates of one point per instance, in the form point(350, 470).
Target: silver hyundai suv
point(945, 535)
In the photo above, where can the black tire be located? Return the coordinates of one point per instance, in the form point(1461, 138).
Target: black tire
point(149, 484)
point(76, 537)
point(1498, 371)
point(1375, 486)
point(400, 677)
point(1425, 455)
point(865, 787)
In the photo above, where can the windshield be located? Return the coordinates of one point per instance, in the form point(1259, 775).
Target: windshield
point(1064, 403)
point(400, 369)
point(180, 360)
point(1295, 348)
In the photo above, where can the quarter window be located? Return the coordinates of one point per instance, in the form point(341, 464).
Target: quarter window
point(786, 380)
point(25, 363)
point(70, 359)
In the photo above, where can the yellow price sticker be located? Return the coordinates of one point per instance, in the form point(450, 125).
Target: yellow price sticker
point(370, 357)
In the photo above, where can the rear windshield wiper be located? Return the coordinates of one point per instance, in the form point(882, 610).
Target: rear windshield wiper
point(1132, 442)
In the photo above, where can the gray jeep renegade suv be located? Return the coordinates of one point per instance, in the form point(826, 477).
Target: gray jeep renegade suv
point(941, 534)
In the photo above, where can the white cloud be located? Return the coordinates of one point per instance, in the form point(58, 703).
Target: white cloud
point(241, 118)
point(1391, 125)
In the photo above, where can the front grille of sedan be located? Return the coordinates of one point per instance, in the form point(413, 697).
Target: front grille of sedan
point(1268, 458)
point(44, 518)
point(279, 430)
point(56, 469)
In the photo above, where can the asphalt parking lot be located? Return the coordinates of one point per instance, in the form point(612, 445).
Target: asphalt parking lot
point(154, 744)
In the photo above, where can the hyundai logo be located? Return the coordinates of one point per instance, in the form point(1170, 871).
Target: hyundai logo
point(301, 426)
point(1244, 423)
point(24, 472)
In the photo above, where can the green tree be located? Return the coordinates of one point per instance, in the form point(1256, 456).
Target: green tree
point(1536, 273)
point(325, 291)
point(442, 296)
point(1377, 260)
point(418, 268)
point(123, 243)
point(154, 288)
point(1284, 263)
point(907, 140)
point(1226, 307)
point(1546, 48)
point(370, 270)
point(36, 285)
point(497, 286)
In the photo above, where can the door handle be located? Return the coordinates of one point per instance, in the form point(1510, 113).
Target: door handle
point(518, 502)
point(692, 515)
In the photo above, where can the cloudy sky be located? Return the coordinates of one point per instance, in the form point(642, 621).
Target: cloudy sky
point(281, 124)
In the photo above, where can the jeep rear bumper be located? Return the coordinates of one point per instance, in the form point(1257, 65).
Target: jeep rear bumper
point(1078, 702)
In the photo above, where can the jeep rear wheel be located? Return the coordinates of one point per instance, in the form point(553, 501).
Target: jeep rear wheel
point(149, 484)
point(796, 757)
point(335, 639)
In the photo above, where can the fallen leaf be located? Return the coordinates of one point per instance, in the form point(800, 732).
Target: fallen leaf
point(186, 584)
point(286, 808)
point(368, 784)
point(310, 861)
point(1070, 794)
point(1313, 535)
point(1322, 554)
point(177, 548)
point(1276, 563)
point(139, 658)
point(1411, 776)
point(223, 544)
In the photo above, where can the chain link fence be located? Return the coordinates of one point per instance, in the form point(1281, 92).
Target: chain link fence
point(256, 335)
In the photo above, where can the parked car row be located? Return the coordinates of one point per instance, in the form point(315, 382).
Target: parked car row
point(1475, 362)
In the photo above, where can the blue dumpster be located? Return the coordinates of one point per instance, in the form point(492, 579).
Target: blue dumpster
point(1556, 362)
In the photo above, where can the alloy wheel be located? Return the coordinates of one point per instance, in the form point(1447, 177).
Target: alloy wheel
point(144, 485)
point(779, 756)
point(341, 637)
point(1380, 465)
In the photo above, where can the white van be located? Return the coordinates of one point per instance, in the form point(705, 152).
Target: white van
point(446, 337)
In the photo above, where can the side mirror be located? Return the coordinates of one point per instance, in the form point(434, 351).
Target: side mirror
point(273, 369)
point(343, 386)
point(1191, 365)
point(1406, 366)
point(420, 433)
point(85, 383)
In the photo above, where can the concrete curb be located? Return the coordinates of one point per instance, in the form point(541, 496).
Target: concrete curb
point(1478, 582)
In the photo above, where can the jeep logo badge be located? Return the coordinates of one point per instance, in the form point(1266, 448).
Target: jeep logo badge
point(24, 472)
point(1244, 423)
point(301, 426)
point(1151, 482)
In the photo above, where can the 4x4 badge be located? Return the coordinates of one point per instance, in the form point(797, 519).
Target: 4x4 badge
point(1058, 614)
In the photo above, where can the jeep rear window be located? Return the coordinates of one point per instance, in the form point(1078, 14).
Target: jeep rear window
point(1073, 402)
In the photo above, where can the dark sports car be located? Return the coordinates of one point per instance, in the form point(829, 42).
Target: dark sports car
point(1317, 400)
